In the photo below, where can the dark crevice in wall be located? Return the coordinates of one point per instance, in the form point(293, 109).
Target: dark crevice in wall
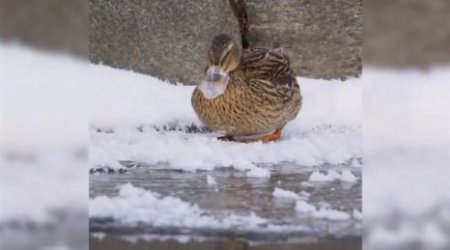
point(240, 11)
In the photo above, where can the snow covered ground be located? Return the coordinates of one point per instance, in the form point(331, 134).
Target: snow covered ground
point(146, 120)
point(48, 99)
point(406, 152)
point(43, 140)
point(42, 132)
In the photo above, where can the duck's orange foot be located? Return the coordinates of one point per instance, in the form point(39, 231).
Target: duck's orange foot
point(269, 138)
point(264, 139)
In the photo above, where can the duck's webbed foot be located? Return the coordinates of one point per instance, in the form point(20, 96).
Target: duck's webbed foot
point(269, 138)
point(251, 139)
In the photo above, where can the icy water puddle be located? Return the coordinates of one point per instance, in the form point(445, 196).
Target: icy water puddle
point(232, 192)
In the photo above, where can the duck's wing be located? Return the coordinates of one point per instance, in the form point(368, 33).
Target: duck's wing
point(265, 64)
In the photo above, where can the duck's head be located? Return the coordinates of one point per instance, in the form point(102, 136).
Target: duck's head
point(223, 57)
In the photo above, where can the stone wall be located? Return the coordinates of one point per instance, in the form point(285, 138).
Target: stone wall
point(398, 33)
point(406, 33)
point(49, 24)
point(169, 38)
point(323, 38)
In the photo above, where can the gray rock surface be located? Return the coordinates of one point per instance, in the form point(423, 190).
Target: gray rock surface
point(405, 33)
point(399, 33)
point(166, 39)
point(323, 38)
point(169, 39)
point(49, 24)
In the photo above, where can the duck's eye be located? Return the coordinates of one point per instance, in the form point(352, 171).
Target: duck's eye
point(215, 74)
point(215, 77)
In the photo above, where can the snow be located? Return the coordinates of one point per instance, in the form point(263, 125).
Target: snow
point(133, 205)
point(211, 181)
point(317, 176)
point(42, 127)
point(304, 207)
point(59, 94)
point(305, 194)
point(406, 140)
point(321, 213)
point(433, 237)
point(347, 176)
point(327, 129)
point(330, 214)
point(429, 235)
point(42, 94)
point(31, 187)
point(284, 194)
point(254, 171)
point(127, 94)
point(388, 237)
point(355, 163)
point(406, 156)
point(200, 151)
point(357, 215)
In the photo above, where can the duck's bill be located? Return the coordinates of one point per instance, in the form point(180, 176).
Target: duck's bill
point(212, 90)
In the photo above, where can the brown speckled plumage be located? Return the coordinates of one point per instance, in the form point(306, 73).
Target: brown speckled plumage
point(262, 95)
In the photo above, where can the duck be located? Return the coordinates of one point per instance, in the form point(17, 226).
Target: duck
point(247, 95)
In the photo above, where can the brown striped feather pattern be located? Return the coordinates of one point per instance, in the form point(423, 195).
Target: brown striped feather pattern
point(262, 95)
